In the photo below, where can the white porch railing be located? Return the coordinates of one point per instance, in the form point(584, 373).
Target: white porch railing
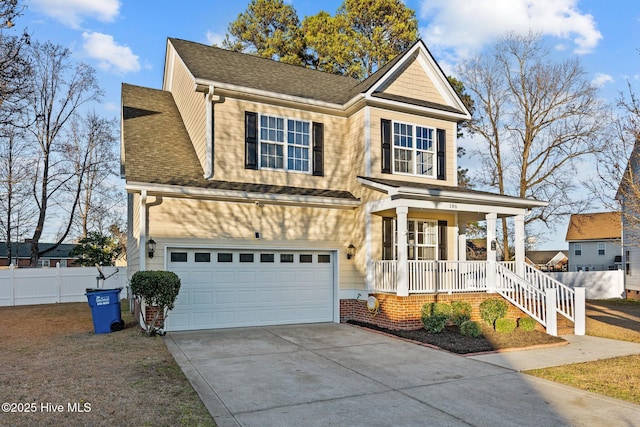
point(565, 296)
point(536, 294)
point(529, 298)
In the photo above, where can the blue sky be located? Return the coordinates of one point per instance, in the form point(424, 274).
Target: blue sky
point(125, 40)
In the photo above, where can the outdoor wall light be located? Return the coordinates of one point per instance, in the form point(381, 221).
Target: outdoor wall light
point(151, 247)
point(351, 251)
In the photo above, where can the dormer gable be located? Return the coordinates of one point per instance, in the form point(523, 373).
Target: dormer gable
point(415, 78)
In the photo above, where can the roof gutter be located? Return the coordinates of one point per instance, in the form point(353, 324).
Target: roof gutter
point(241, 196)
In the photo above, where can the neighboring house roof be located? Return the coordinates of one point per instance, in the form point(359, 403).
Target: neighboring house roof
point(153, 127)
point(594, 226)
point(253, 72)
point(23, 250)
point(552, 257)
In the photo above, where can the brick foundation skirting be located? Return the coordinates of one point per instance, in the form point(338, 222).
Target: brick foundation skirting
point(149, 313)
point(403, 313)
point(633, 294)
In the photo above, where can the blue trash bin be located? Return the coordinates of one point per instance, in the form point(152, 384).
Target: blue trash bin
point(105, 310)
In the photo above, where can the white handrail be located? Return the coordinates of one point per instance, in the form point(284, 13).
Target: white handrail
point(565, 296)
point(528, 298)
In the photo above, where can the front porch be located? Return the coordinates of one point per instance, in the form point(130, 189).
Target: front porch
point(416, 244)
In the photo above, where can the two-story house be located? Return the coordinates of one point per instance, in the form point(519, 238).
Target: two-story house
point(281, 194)
point(595, 241)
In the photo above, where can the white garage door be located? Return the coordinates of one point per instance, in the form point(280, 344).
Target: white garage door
point(231, 288)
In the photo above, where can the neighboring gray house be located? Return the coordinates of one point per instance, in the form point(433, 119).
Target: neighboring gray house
point(595, 241)
point(629, 197)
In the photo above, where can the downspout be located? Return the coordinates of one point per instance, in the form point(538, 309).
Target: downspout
point(210, 100)
point(142, 240)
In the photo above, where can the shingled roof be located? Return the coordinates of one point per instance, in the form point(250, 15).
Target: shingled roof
point(594, 226)
point(250, 71)
point(253, 72)
point(152, 128)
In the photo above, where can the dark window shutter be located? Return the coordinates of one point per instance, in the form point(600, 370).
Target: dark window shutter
point(385, 126)
point(442, 240)
point(250, 140)
point(442, 153)
point(318, 149)
point(387, 238)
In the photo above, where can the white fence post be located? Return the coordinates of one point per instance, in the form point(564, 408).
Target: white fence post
point(12, 286)
point(552, 316)
point(580, 312)
point(58, 282)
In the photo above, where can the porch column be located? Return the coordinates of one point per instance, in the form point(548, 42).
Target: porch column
point(491, 219)
point(520, 246)
point(403, 254)
point(462, 242)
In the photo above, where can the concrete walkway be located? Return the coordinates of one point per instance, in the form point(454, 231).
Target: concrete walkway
point(337, 374)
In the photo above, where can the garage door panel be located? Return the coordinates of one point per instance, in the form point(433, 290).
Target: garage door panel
point(266, 291)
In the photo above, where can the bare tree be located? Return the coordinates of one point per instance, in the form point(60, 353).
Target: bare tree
point(536, 119)
point(61, 89)
point(15, 170)
point(617, 147)
point(92, 144)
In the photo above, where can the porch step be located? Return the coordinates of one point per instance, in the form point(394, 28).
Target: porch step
point(565, 326)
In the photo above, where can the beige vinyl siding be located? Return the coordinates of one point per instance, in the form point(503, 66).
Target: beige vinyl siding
point(376, 142)
point(192, 107)
point(415, 83)
point(229, 155)
point(355, 143)
point(222, 224)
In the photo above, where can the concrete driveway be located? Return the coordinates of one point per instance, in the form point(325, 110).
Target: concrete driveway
point(342, 375)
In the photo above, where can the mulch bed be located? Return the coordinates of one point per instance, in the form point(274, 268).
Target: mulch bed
point(450, 339)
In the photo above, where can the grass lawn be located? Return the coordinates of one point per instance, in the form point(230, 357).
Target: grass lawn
point(618, 377)
point(51, 357)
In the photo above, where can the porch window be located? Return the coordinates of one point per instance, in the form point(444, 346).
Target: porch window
point(413, 149)
point(278, 152)
point(422, 239)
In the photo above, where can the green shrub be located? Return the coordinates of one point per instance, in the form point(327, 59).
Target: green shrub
point(505, 326)
point(435, 316)
point(156, 288)
point(460, 312)
point(527, 324)
point(471, 328)
point(433, 308)
point(435, 324)
point(492, 310)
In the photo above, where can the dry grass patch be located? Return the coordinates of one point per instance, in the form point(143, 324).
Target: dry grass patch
point(618, 377)
point(51, 355)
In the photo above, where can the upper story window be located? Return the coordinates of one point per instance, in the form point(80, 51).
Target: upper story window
point(280, 143)
point(284, 143)
point(601, 249)
point(413, 149)
point(577, 249)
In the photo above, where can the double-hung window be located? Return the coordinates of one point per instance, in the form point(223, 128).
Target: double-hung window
point(601, 248)
point(422, 239)
point(413, 149)
point(284, 143)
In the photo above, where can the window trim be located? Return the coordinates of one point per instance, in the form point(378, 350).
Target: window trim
point(604, 248)
point(414, 149)
point(285, 144)
point(577, 249)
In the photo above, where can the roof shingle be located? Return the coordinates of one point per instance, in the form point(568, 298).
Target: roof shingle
point(594, 226)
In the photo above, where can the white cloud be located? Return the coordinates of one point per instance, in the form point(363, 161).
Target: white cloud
point(110, 55)
point(466, 26)
point(73, 12)
point(601, 79)
point(214, 38)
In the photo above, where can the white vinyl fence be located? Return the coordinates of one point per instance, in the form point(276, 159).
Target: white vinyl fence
point(598, 284)
point(22, 286)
